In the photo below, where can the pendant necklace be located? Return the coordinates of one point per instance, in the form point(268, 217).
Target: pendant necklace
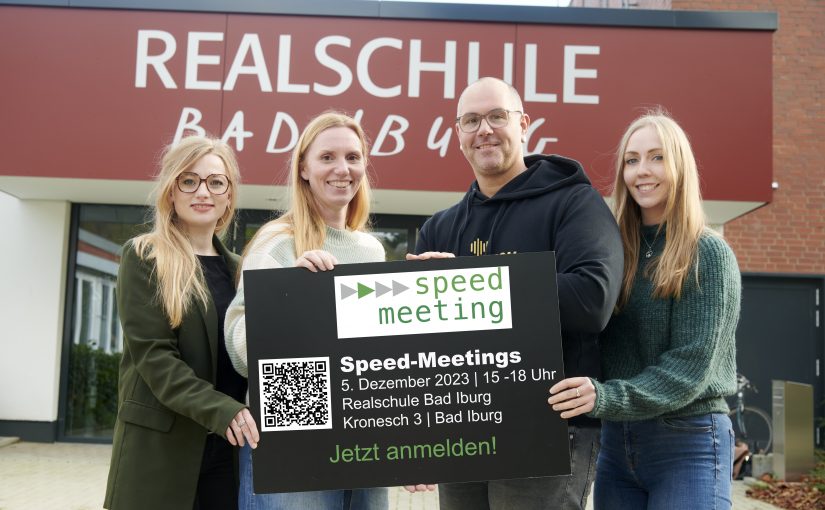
point(649, 252)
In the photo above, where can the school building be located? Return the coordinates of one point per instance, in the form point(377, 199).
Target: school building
point(93, 89)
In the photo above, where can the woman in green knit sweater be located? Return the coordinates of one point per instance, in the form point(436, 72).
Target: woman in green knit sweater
point(668, 353)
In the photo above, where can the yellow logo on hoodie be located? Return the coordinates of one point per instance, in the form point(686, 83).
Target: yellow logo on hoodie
point(478, 247)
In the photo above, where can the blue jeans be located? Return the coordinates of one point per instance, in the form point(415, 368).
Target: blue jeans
point(558, 492)
point(665, 463)
point(355, 499)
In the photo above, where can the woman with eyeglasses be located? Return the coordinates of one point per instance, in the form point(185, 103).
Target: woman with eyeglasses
point(668, 353)
point(181, 405)
point(323, 227)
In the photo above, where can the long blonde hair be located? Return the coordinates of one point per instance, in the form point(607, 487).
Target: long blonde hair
point(683, 219)
point(302, 219)
point(179, 275)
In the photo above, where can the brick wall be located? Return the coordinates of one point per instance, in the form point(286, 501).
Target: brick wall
point(788, 234)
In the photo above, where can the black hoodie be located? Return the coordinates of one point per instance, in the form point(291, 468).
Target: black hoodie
point(551, 206)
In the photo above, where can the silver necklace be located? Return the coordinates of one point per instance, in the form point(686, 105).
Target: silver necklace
point(649, 252)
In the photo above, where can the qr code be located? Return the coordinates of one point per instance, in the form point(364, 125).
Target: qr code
point(295, 394)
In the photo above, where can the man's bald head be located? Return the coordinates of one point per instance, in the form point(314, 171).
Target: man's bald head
point(489, 81)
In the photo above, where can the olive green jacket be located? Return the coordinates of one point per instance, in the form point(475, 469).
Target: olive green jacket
point(166, 394)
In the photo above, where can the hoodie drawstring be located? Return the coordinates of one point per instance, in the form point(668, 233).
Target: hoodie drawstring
point(499, 214)
point(468, 198)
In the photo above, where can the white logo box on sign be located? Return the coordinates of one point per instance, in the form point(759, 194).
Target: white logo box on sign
point(422, 302)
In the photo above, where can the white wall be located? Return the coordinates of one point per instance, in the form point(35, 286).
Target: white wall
point(33, 262)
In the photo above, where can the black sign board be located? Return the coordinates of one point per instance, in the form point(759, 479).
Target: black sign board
point(398, 373)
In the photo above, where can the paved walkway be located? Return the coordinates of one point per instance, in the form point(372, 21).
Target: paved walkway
point(72, 476)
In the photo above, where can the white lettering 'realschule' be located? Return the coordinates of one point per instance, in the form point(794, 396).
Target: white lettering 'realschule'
point(363, 73)
point(158, 61)
point(336, 65)
point(531, 94)
point(250, 45)
point(571, 72)
point(417, 66)
point(155, 48)
point(194, 60)
point(284, 59)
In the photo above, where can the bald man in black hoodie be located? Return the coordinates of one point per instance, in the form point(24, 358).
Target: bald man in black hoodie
point(519, 205)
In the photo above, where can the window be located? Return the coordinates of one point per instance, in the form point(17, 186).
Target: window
point(94, 336)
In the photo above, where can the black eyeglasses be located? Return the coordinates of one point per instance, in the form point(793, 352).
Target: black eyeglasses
point(189, 182)
point(498, 118)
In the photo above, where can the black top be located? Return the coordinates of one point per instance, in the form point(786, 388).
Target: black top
point(221, 286)
point(549, 207)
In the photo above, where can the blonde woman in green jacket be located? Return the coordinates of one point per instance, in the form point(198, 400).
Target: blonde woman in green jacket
point(180, 402)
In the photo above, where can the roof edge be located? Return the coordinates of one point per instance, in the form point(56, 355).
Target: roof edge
point(717, 20)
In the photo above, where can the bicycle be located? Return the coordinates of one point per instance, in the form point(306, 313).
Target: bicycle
point(751, 425)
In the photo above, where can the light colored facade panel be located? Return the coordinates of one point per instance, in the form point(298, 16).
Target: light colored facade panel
point(32, 300)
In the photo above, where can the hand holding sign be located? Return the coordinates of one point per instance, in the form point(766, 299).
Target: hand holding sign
point(430, 255)
point(420, 488)
point(243, 430)
point(573, 396)
point(317, 260)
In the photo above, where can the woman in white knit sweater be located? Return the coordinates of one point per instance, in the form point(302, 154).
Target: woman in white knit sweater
point(323, 227)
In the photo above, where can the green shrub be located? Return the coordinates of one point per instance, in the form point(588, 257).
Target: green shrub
point(92, 391)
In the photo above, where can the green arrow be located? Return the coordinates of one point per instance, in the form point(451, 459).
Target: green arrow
point(363, 290)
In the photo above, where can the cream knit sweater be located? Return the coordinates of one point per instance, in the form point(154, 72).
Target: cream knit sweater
point(278, 250)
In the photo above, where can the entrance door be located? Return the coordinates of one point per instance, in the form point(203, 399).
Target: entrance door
point(780, 336)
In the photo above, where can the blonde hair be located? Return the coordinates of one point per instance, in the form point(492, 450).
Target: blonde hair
point(683, 217)
point(179, 275)
point(302, 219)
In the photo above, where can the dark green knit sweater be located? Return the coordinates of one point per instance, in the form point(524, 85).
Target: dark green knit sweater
point(668, 357)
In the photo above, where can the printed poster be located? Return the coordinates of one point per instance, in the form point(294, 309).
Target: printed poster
point(398, 373)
